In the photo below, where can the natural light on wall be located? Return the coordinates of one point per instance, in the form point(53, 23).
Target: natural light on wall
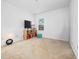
point(9, 36)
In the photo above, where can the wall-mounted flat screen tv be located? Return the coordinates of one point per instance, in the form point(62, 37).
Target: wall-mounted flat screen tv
point(27, 24)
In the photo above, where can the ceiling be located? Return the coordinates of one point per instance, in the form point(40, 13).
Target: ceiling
point(39, 6)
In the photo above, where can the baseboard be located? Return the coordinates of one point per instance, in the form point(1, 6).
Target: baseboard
point(73, 51)
point(56, 39)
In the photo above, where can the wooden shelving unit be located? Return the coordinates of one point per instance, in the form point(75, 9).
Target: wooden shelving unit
point(29, 33)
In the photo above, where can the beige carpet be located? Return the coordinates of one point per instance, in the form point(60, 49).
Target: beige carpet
point(38, 49)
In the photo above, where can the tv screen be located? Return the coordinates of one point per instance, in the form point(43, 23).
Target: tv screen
point(27, 24)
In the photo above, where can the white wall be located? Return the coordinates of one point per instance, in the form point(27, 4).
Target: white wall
point(56, 24)
point(12, 20)
point(74, 26)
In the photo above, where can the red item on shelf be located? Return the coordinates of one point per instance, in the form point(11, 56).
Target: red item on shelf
point(35, 34)
point(29, 36)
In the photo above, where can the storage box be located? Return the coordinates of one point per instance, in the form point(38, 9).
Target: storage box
point(39, 35)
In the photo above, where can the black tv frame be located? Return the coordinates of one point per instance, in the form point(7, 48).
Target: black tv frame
point(27, 24)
